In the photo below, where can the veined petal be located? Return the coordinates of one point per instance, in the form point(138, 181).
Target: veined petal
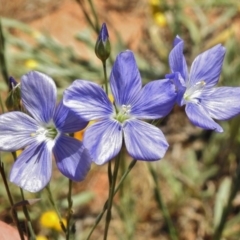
point(72, 158)
point(201, 118)
point(39, 95)
point(222, 103)
point(207, 66)
point(87, 100)
point(177, 60)
point(156, 100)
point(16, 129)
point(144, 141)
point(67, 121)
point(125, 79)
point(33, 169)
point(103, 140)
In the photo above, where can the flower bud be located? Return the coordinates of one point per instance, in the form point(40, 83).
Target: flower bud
point(14, 96)
point(103, 47)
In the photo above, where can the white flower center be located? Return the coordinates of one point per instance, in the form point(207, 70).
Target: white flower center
point(48, 132)
point(193, 93)
point(123, 113)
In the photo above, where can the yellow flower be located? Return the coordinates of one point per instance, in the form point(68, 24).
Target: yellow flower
point(31, 64)
point(40, 237)
point(160, 19)
point(154, 2)
point(50, 219)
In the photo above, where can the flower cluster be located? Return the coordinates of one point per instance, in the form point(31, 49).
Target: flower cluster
point(42, 128)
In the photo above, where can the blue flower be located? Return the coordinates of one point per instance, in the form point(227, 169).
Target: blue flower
point(118, 121)
point(41, 134)
point(203, 101)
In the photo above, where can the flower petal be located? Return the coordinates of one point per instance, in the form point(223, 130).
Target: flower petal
point(67, 121)
point(177, 60)
point(222, 103)
point(201, 118)
point(125, 79)
point(33, 168)
point(104, 140)
point(39, 95)
point(15, 131)
point(156, 100)
point(72, 158)
point(207, 66)
point(144, 141)
point(87, 100)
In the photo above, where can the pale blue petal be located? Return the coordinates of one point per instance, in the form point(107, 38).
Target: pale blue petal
point(72, 158)
point(125, 79)
point(201, 118)
point(39, 95)
point(16, 130)
point(87, 100)
point(144, 141)
point(222, 103)
point(207, 66)
point(103, 140)
point(177, 60)
point(156, 100)
point(33, 169)
point(66, 120)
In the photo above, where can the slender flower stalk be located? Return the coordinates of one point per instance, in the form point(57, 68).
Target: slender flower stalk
point(50, 197)
point(70, 211)
point(105, 206)
point(162, 206)
point(111, 195)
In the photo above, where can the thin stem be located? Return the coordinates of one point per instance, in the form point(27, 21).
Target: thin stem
point(50, 197)
point(161, 204)
point(70, 212)
point(1, 104)
point(13, 211)
point(105, 206)
point(86, 15)
point(94, 15)
point(105, 76)
point(3, 62)
point(111, 195)
point(234, 189)
point(27, 216)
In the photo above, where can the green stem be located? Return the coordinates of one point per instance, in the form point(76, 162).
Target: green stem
point(234, 189)
point(70, 212)
point(3, 62)
point(80, 2)
point(105, 76)
point(13, 211)
point(1, 104)
point(111, 195)
point(105, 206)
point(94, 15)
point(27, 216)
point(161, 204)
point(50, 197)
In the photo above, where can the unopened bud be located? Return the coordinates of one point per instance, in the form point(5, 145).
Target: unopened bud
point(14, 96)
point(103, 47)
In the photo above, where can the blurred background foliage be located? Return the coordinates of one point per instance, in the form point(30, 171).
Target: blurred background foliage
point(198, 172)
